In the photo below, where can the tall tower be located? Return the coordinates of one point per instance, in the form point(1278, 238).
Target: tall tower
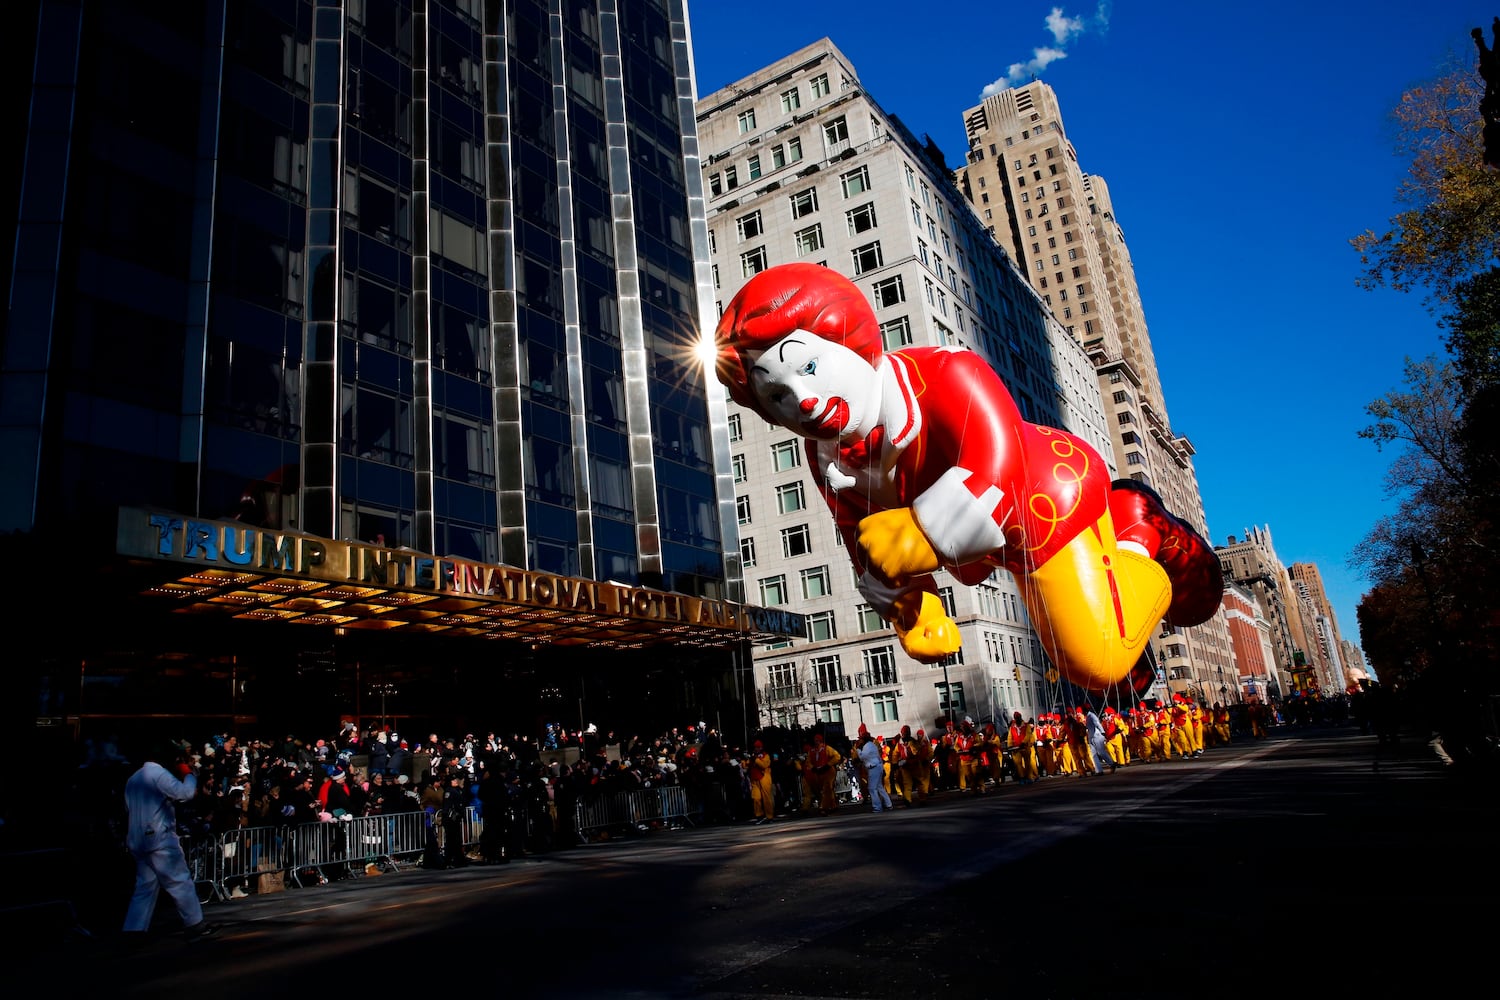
point(802, 164)
point(424, 275)
point(1022, 176)
point(1253, 564)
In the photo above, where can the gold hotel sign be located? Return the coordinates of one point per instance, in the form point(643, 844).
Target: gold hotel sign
point(237, 570)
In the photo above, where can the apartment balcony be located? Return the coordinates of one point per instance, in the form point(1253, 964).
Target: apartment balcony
point(776, 694)
point(832, 685)
point(876, 679)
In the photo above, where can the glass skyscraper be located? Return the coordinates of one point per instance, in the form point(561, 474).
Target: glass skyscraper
point(420, 275)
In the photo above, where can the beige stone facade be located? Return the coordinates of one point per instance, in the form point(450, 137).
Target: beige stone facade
point(801, 164)
point(1025, 181)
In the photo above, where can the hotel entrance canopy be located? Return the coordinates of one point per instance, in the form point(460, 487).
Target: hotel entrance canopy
point(238, 571)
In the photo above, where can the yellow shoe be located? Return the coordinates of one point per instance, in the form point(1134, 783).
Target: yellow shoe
point(1094, 606)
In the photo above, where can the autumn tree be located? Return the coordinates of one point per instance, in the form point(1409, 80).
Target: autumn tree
point(1449, 228)
point(1433, 614)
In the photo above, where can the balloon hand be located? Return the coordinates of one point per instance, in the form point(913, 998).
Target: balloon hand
point(924, 628)
point(895, 545)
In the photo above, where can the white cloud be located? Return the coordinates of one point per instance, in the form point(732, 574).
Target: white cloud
point(1064, 28)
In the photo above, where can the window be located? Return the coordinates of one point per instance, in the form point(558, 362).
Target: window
point(827, 677)
point(815, 582)
point(1124, 417)
point(820, 626)
point(867, 258)
point(890, 292)
point(810, 240)
point(778, 156)
point(715, 184)
point(884, 706)
point(896, 333)
point(747, 551)
point(869, 621)
point(753, 165)
point(786, 455)
point(1134, 458)
point(856, 181)
point(749, 226)
point(860, 219)
point(819, 86)
point(796, 541)
point(1121, 396)
point(742, 509)
point(731, 178)
point(791, 100)
point(804, 203)
point(951, 698)
point(737, 462)
point(773, 591)
point(880, 665)
point(736, 432)
point(753, 261)
point(747, 121)
point(836, 132)
point(790, 498)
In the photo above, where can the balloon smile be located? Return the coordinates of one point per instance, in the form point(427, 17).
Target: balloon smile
point(833, 419)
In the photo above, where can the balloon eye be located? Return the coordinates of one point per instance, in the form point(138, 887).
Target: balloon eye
point(811, 368)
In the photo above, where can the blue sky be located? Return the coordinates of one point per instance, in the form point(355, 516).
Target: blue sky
point(1244, 146)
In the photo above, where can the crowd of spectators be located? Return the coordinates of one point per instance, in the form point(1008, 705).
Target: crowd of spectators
point(523, 789)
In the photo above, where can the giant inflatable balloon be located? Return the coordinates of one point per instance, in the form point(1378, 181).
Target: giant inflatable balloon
point(926, 463)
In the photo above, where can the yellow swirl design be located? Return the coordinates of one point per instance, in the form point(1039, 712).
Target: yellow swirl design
point(1071, 468)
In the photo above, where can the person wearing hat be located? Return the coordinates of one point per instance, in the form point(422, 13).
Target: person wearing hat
point(1195, 723)
point(1096, 745)
point(151, 795)
point(762, 785)
point(1164, 730)
point(921, 767)
point(822, 759)
point(1182, 728)
point(869, 759)
point(1116, 736)
point(991, 749)
point(1021, 741)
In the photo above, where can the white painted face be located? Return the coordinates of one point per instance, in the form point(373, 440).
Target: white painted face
point(817, 388)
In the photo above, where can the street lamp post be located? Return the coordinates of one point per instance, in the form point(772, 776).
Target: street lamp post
point(383, 690)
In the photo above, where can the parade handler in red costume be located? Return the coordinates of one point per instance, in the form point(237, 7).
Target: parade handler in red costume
point(926, 462)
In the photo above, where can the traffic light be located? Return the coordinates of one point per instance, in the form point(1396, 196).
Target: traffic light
point(1016, 671)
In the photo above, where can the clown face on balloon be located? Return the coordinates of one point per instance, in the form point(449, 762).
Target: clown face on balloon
point(925, 462)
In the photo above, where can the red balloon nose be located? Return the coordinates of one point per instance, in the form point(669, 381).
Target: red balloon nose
point(808, 405)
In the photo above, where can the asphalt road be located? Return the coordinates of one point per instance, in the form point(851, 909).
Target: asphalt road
point(1311, 861)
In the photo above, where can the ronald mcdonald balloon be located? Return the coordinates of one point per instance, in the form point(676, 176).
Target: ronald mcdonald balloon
point(925, 462)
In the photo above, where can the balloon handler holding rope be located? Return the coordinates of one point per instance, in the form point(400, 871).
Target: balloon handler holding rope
point(926, 463)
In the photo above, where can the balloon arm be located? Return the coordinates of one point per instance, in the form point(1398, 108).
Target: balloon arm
point(895, 545)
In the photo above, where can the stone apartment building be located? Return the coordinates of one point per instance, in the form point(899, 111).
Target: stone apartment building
point(800, 163)
point(1025, 182)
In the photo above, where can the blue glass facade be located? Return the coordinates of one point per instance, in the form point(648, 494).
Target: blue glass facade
point(417, 274)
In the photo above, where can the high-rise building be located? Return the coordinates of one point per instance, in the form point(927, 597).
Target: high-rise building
point(1252, 563)
point(1330, 639)
point(1024, 179)
point(1254, 651)
point(340, 329)
point(802, 164)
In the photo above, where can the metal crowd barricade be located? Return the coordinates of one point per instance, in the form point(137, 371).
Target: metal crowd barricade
point(202, 861)
point(632, 810)
point(246, 854)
